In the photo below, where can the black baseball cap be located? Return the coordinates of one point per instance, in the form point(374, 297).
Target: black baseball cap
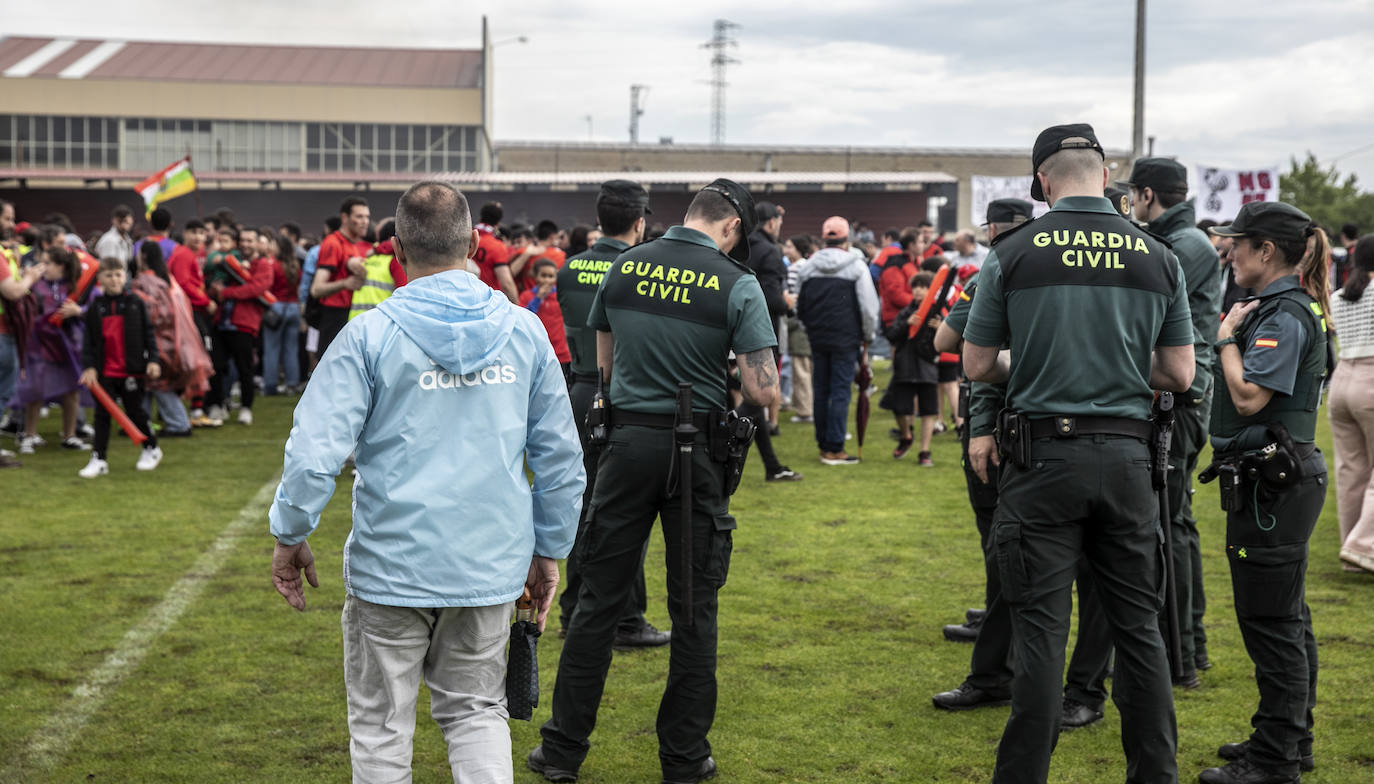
point(1162, 175)
point(767, 210)
point(626, 193)
point(1076, 136)
point(1009, 211)
point(1121, 200)
point(1272, 219)
point(739, 198)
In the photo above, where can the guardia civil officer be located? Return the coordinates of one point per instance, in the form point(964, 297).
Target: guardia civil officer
point(668, 311)
point(989, 678)
point(620, 209)
point(1271, 354)
point(1102, 306)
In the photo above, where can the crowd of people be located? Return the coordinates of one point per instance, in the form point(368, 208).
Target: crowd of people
point(183, 327)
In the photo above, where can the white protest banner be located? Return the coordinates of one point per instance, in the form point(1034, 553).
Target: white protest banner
point(986, 189)
point(1221, 192)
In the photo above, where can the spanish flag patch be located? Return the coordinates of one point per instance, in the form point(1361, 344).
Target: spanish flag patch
point(1266, 343)
point(963, 295)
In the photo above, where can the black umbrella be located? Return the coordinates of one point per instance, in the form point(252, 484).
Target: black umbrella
point(522, 662)
point(863, 378)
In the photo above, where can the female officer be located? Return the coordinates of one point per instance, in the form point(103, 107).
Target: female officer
point(1272, 357)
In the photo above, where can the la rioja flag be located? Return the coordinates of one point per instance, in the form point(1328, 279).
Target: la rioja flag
point(173, 181)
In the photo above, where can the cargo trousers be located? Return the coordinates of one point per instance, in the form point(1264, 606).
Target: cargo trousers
point(1091, 498)
point(636, 483)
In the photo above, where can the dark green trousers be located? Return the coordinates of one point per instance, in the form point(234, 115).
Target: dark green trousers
point(1266, 545)
point(637, 602)
point(990, 660)
point(1189, 437)
point(634, 475)
point(1088, 498)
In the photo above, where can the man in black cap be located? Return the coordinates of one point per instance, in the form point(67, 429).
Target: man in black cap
point(989, 679)
point(620, 209)
point(668, 312)
point(765, 259)
point(1075, 483)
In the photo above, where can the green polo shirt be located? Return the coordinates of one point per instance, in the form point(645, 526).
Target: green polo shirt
point(1082, 297)
point(677, 306)
point(578, 281)
point(1202, 271)
point(985, 400)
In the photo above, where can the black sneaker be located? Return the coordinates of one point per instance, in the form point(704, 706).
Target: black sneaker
point(1235, 751)
point(783, 474)
point(926, 461)
point(903, 446)
point(1077, 715)
point(645, 636)
point(961, 632)
point(536, 762)
point(967, 697)
point(1243, 771)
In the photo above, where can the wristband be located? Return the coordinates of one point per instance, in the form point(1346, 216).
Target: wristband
point(1224, 342)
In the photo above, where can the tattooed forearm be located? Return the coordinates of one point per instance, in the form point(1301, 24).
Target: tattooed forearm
point(764, 370)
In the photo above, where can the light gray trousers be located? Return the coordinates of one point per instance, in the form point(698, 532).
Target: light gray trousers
point(461, 653)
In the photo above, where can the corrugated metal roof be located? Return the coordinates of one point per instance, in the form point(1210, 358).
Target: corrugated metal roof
point(200, 62)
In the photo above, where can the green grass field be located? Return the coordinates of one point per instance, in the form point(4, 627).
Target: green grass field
point(830, 643)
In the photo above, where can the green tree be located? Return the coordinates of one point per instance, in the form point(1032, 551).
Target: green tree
point(1331, 200)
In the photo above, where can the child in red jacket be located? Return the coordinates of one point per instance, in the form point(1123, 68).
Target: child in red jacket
point(542, 301)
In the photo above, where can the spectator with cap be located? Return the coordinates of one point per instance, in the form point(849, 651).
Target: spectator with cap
point(839, 308)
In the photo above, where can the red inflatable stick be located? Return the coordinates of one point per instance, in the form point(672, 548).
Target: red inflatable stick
point(116, 413)
point(242, 274)
point(934, 300)
point(89, 268)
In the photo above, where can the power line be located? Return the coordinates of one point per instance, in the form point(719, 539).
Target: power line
point(720, 42)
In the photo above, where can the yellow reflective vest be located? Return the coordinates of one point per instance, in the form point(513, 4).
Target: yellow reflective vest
point(377, 286)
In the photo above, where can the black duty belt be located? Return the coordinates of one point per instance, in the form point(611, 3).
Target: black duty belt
point(619, 416)
point(584, 378)
point(1075, 426)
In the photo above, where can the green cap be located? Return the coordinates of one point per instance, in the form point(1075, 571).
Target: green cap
point(1273, 220)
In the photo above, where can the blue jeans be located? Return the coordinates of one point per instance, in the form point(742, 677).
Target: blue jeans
point(832, 374)
point(169, 408)
point(279, 348)
point(9, 369)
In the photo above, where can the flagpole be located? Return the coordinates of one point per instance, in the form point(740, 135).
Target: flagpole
point(196, 190)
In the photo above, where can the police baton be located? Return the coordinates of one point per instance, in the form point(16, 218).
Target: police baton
point(1163, 434)
point(685, 433)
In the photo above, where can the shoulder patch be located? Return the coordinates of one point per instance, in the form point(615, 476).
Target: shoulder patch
point(1009, 232)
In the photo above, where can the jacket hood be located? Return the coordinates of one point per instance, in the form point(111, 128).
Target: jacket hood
point(828, 261)
point(457, 320)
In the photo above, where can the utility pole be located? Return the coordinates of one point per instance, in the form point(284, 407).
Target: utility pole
point(720, 42)
point(637, 94)
point(1138, 125)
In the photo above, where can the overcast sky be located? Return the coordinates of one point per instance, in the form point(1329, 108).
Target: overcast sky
point(1230, 83)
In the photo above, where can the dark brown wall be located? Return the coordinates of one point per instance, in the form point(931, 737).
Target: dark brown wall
point(90, 208)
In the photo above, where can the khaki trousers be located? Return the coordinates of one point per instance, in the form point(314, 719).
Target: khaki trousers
point(1352, 433)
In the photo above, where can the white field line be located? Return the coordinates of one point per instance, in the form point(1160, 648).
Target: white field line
point(50, 742)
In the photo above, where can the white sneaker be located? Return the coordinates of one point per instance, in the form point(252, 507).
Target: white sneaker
point(96, 467)
point(218, 412)
point(245, 416)
point(28, 443)
point(86, 431)
point(152, 455)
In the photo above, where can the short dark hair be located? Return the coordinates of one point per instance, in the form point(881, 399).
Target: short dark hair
point(617, 219)
point(333, 223)
point(267, 231)
point(60, 219)
point(111, 263)
point(161, 219)
point(710, 207)
point(433, 224)
point(211, 220)
point(925, 223)
point(922, 279)
point(545, 229)
point(194, 223)
point(348, 204)
point(933, 264)
point(227, 216)
point(292, 229)
point(892, 234)
point(49, 233)
point(229, 229)
point(491, 213)
point(803, 244)
point(120, 212)
point(386, 230)
point(1350, 231)
point(1205, 224)
point(541, 263)
point(1169, 199)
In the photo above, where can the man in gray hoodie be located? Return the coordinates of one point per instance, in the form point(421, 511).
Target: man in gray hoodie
point(839, 307)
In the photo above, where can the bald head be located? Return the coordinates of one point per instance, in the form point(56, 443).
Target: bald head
point(1073, 173)
point(433, 226)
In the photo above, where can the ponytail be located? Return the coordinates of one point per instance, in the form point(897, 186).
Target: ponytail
point(1361, 266)
point(1314, 271)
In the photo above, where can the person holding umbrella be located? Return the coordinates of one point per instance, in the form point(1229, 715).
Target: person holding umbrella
point(838, 305)
point(667, 315)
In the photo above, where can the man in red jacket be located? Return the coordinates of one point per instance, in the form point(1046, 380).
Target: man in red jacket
point(237, 326)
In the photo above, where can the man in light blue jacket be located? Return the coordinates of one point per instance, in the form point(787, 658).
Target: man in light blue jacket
point(444, 393)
